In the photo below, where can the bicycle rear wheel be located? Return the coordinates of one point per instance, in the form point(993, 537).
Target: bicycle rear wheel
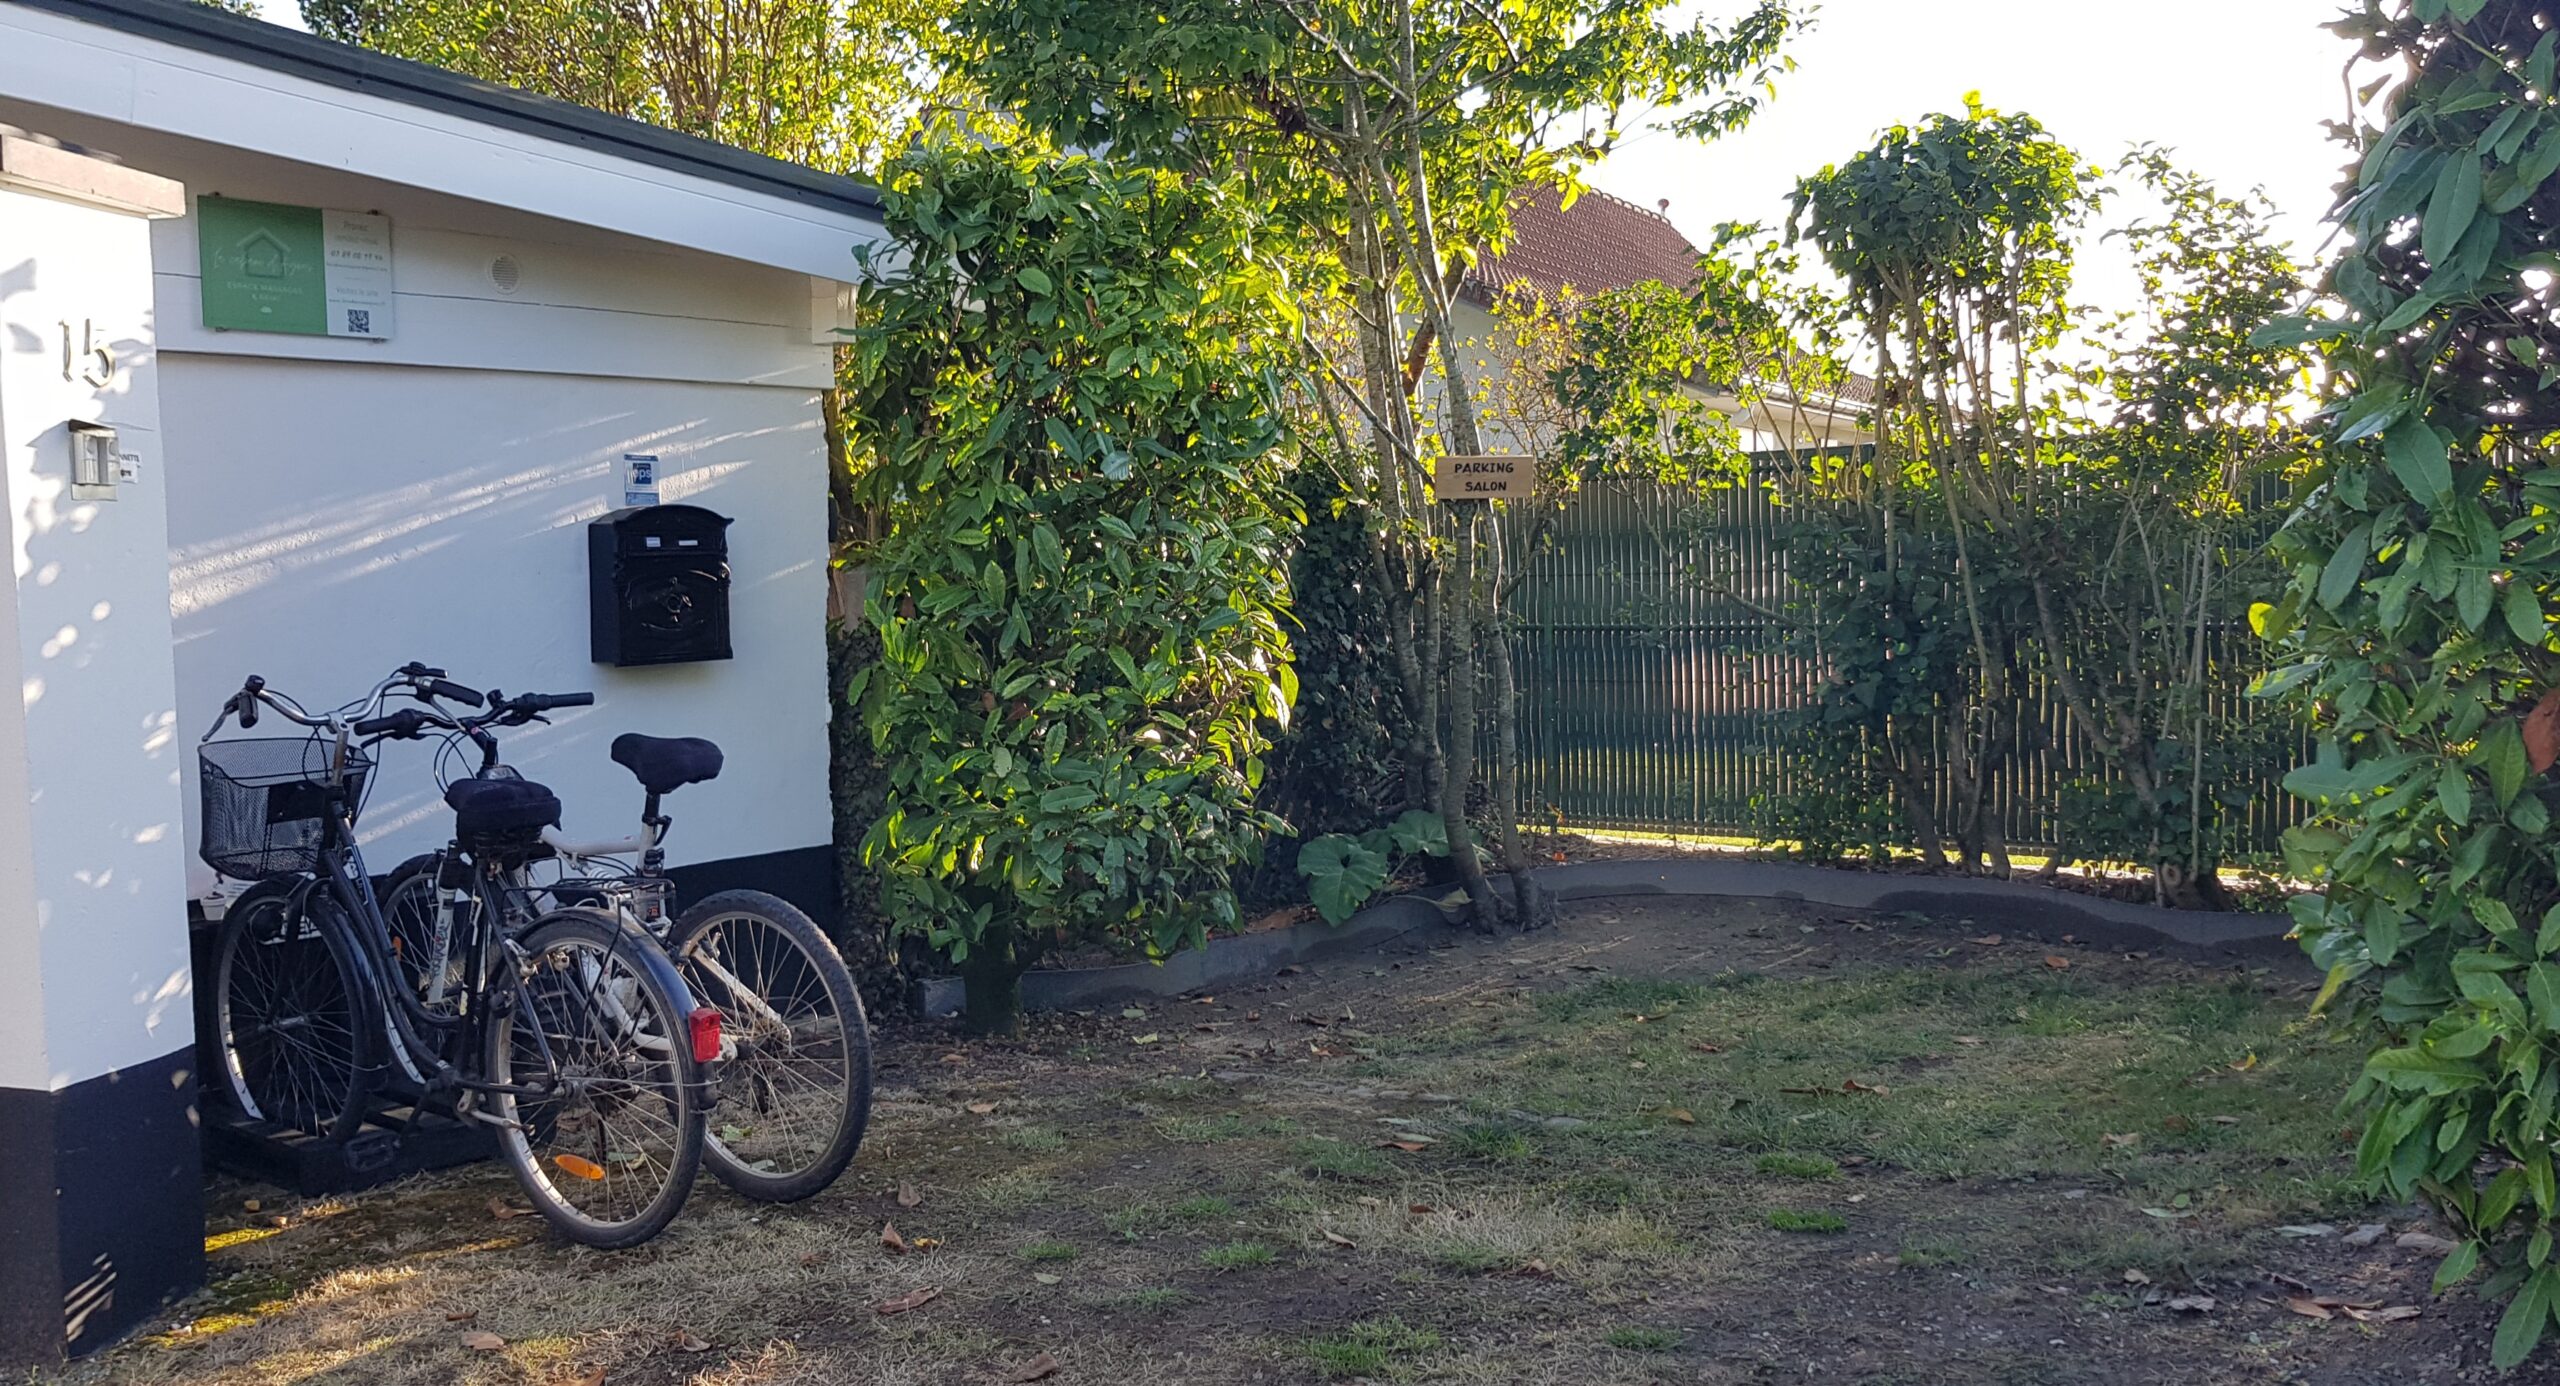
point(795, 1080)
point(608, 1147)
point(299, 1031)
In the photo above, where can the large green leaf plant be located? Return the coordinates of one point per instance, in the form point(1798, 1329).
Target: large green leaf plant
point(1060, 410)
point(2424, 552)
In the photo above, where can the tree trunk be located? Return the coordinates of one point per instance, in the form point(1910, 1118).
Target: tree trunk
point(991, 983)
point(1531, 902)
point(1459, 753)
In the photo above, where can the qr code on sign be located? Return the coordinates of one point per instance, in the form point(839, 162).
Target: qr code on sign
point(360, 320)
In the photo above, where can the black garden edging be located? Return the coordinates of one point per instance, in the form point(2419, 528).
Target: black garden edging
point(2019, 907)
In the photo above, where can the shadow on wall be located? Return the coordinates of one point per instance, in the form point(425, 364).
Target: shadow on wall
point(330, 522)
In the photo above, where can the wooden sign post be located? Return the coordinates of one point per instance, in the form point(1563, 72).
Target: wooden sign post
point(1484, 478)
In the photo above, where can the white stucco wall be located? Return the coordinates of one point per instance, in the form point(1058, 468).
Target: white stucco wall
point(339, 507)
point(331, 521)
point(93, 959)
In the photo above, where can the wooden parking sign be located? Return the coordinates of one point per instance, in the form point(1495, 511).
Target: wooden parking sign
point(1484, 477)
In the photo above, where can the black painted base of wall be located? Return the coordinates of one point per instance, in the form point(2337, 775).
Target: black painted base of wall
point(101, 1208)
point(805, 876)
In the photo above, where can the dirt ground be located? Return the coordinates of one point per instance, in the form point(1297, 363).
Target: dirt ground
point(1667, 1141)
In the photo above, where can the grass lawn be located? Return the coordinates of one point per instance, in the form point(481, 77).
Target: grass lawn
point(1716, 1142)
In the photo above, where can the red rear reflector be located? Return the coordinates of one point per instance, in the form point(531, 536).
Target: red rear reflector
point(704, 1028)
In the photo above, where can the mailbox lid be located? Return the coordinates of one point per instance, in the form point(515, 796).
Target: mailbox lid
point(667, 531)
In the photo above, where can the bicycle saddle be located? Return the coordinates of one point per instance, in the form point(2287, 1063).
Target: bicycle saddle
point(663, 763)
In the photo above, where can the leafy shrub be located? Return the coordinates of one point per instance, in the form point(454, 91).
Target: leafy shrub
point(2425, 555)
point(1343, 871)
point(1055, 408)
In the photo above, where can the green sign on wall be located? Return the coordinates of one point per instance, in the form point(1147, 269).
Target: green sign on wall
point(269, 267)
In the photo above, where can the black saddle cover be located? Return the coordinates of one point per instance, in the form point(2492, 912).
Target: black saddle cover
point(501, 807)
point(664, 763)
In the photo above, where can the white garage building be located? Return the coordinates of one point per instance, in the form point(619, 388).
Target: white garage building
point(358, 349)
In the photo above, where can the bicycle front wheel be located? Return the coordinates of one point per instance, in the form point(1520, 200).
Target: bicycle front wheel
point(795, 1078)
point(297, 1027)
point(599, 1101)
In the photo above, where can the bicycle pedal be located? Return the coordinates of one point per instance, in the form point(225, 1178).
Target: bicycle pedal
point(367, 1151)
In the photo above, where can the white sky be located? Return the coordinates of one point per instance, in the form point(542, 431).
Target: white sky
point(2237, 88)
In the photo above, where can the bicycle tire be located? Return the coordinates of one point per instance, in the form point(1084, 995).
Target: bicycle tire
point(635, 1073)
point(764, 1051)
point(311, 1070)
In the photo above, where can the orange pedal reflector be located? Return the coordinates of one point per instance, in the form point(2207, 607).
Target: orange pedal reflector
point(579, 1165)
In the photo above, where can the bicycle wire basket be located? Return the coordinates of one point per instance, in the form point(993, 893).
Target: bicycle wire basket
point(268, 803)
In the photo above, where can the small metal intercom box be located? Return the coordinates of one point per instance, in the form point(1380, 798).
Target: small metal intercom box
point(93, 461)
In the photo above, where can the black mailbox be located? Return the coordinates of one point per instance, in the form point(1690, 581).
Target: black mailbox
point(658, 585)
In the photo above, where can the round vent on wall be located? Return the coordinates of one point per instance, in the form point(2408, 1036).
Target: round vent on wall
point(506, 274)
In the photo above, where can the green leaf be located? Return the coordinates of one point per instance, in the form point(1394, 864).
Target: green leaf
point(2502, 752)
point(1036, 279)
point(2542, 989)
point(2418, 1070)
point(1341, 873)
point(2524, 613)
point(2453, 794)
point(2528, 1314)
point(2346, 564)
point(2457, 1267)
point(2450, 208)
point(2417, 456)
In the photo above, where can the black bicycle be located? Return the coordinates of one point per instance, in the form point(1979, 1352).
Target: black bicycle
point(575, 1037)
point(795, 1062)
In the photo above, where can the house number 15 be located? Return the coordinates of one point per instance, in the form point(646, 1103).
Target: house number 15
point(94, 361)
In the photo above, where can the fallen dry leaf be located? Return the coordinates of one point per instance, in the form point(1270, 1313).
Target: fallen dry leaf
point(1045, 1278)
point(249, 1205)
point(889, 1238)
point(981, 1108)
point(925, 1243)
point(1338, 1239)
point(2391, 1314)
point(501, 1209)
point(1368, 1202)
point(808, 1259)
point(2192, 1304)
point(909, 1195)
point(2247, 1062)
point(2308, 1308)
point(1406, 1146)
point(1708, 1048)
point(1534, 1268)
point(2542, 732)
point(2056, 961)
point(1987, 940)
point(912, 1299)
point(2175, 1122)
point(1684, 1116)
point(483, 1342)
point(1148, 1038)
point(462, 1316)
point(1033, 1370)
point(2424, 1241)
point(686, 1340)
point(2226, 1121)
point(1853, 1085)
point(1253, 1015)
point(955, 1058)
point(2127, 1138)
point(1968, 1039)
point(2135, 1277)
point(1418, 1209)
